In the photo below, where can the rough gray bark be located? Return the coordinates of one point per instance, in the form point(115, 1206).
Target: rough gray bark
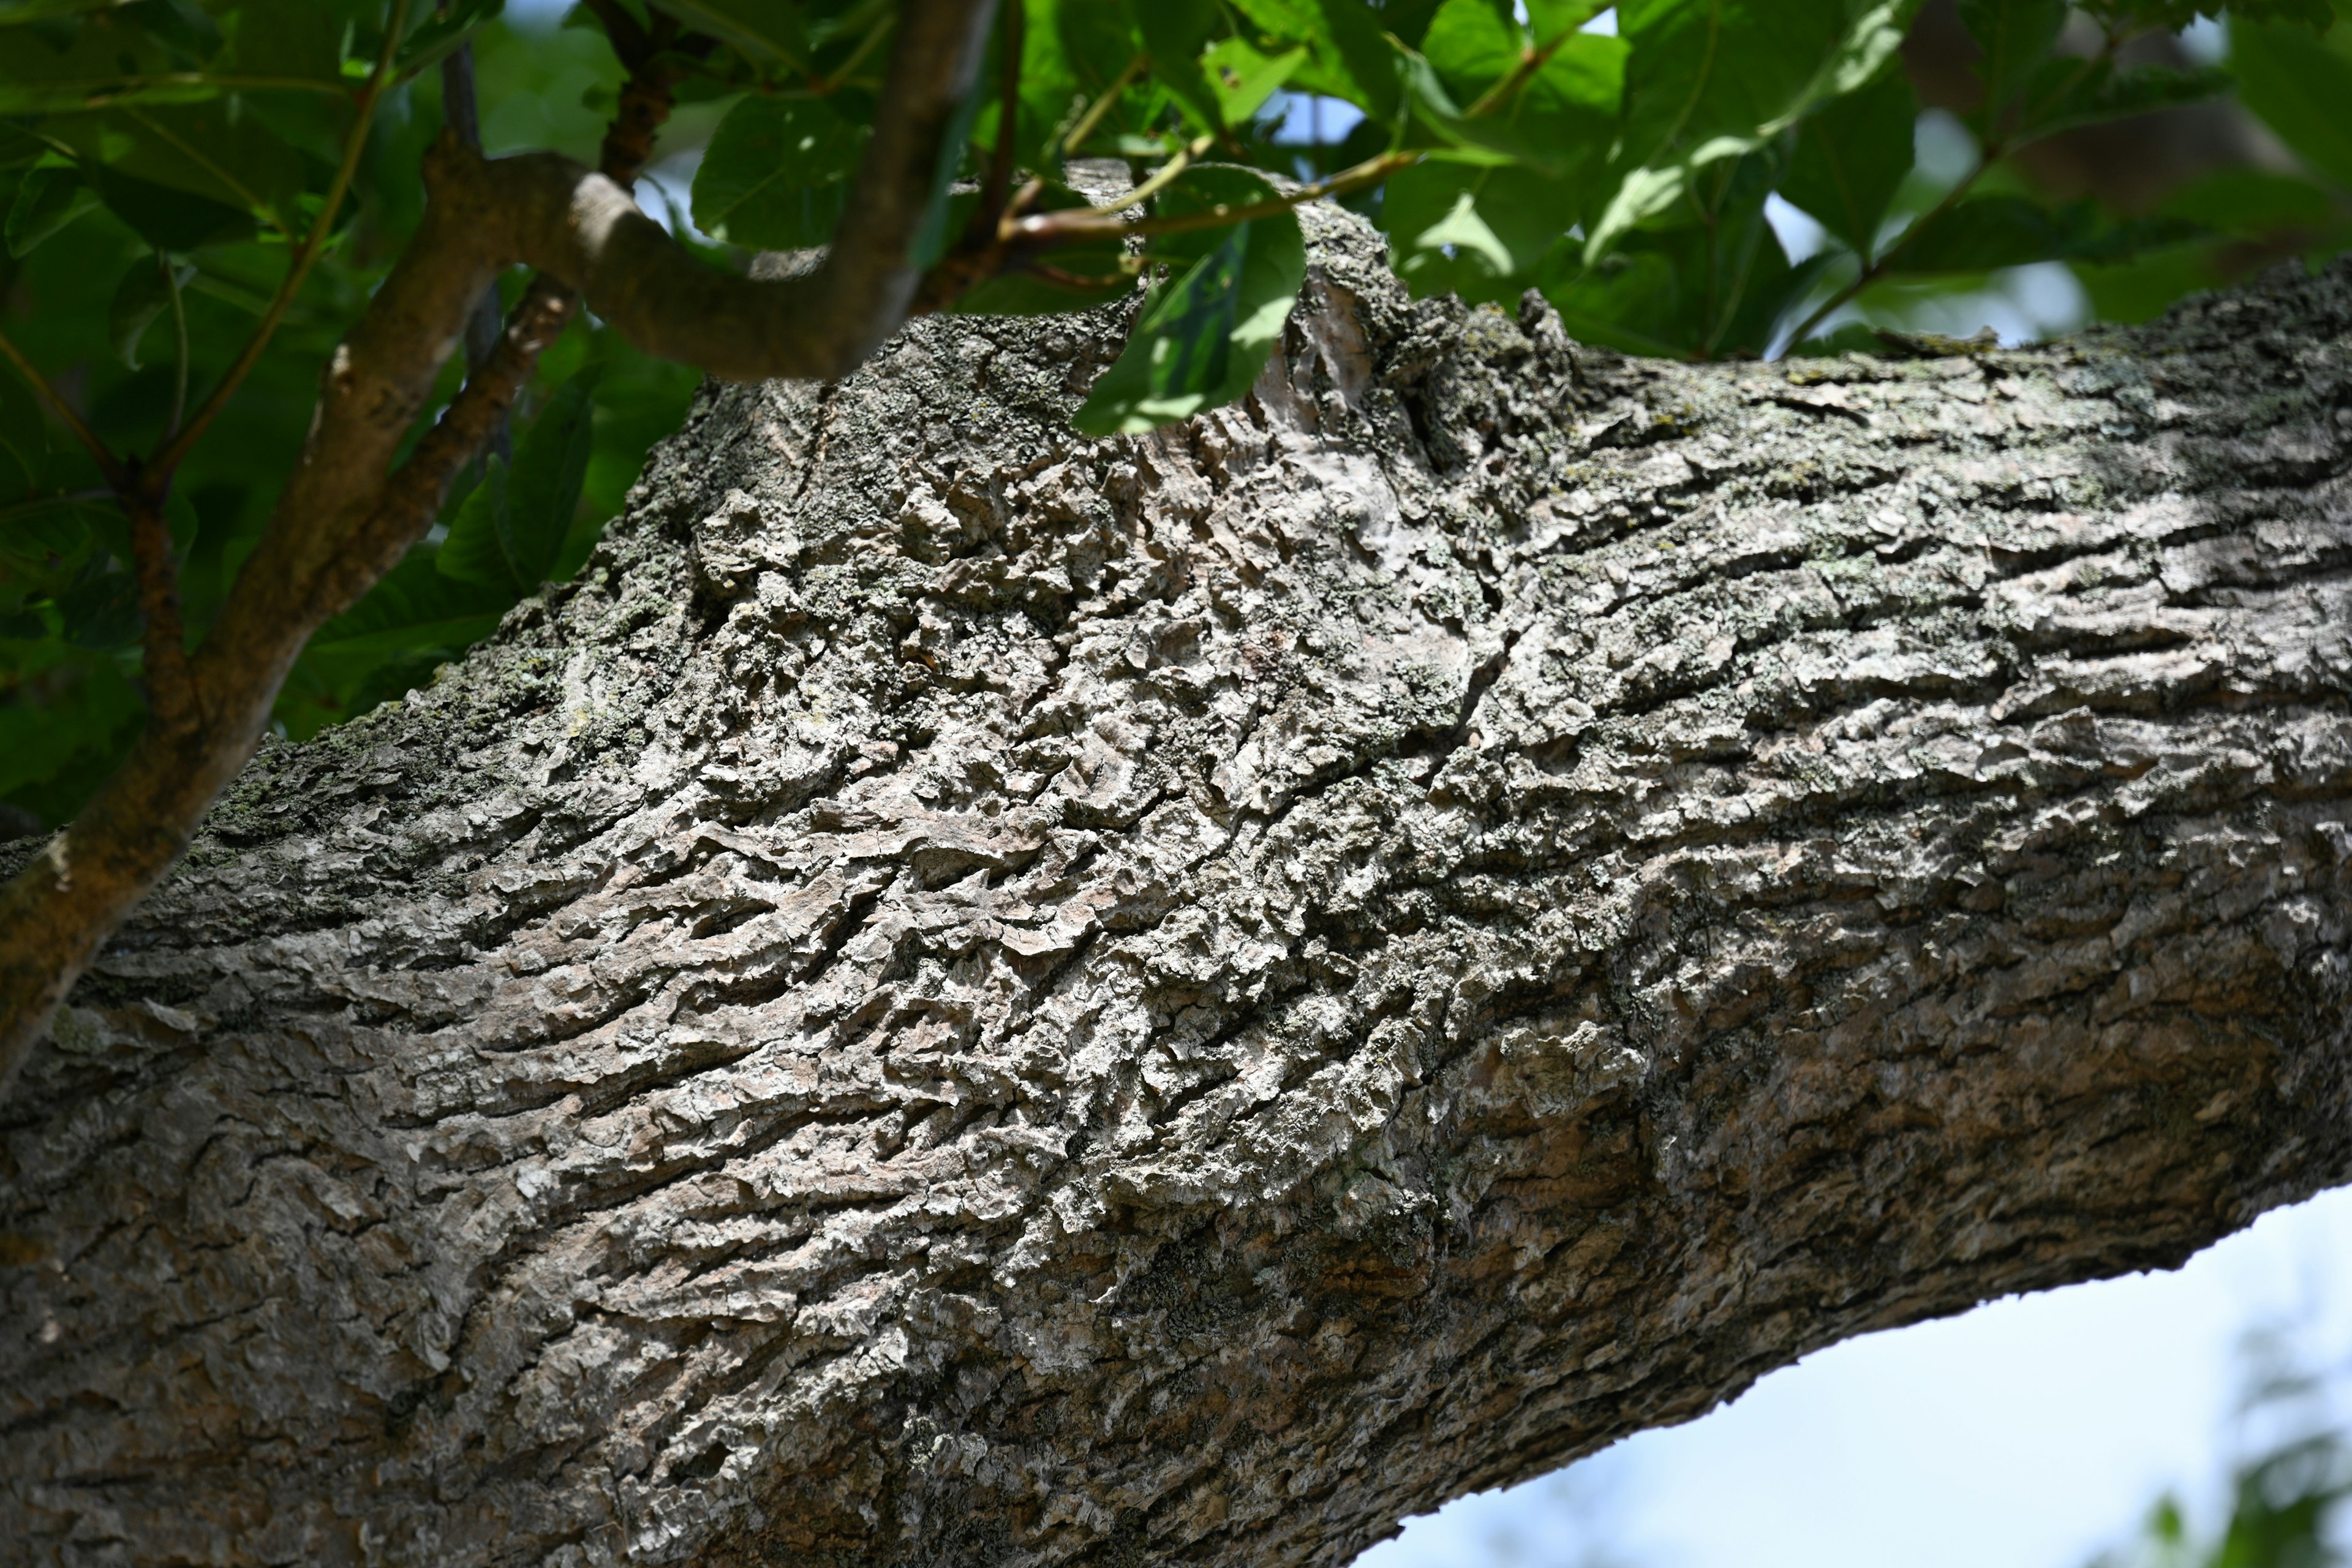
point(974, 997)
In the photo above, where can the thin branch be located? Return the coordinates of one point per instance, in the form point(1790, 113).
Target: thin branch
point(1163, 176)
point(108, 463)
point(170, 457)
point(1078, 224)
point(1093, 116)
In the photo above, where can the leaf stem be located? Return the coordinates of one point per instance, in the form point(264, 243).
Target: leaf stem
point(299, 270)
point(1092, 119)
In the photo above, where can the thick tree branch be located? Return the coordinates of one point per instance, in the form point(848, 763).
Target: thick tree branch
point(973, 996)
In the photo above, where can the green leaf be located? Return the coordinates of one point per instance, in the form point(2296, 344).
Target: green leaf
point(1711, 81)
point(442, 34)
point(23, 442)
point(209, 150)
point(2064, 93)
point(104, 56)
point(417, 617)
point(51, 196)
point(67, 701)
point(474, 551)
point(143, 294)
point(1479, 233)
point(1692, 290)
point(1173, 33)
point(1244, 78)
point(775, 176)
point(2016, 37)
point(1202, 336)
point(765, 30)
point(1851, 155)
point(165, 218)
point(2300, 90)
point(288, 41)
point(1348, 44)
point(509, 530)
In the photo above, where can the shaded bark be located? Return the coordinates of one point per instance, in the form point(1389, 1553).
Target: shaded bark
point(975, 996)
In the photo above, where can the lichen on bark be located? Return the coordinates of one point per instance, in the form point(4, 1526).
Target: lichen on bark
point(974, 996)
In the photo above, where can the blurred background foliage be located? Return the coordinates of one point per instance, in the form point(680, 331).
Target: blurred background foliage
point(1700, 179)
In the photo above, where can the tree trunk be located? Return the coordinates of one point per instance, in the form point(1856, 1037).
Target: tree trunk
point(973, 996)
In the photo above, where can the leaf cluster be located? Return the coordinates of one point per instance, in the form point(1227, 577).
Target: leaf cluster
point(163, 163)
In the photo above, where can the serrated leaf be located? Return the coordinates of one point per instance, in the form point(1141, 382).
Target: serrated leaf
point(2064, 93)
point(51, 196)
point(775, 176)
point(1202, 336)
point(1852, 155)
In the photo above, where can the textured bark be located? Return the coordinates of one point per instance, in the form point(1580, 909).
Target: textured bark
point(976, 996)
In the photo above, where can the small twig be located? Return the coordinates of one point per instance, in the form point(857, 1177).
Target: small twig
point(1093, 116)
point(170, 457)
point(1163, 176)
point(1075, 224)
point(108, 463)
